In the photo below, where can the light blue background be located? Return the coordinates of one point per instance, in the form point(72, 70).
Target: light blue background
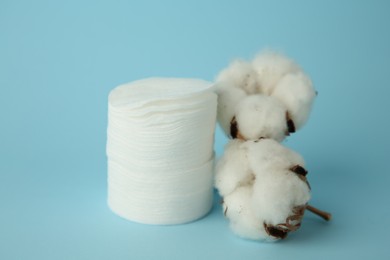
point(59, 60)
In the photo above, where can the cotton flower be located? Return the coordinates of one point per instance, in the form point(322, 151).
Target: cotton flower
point(240, 74)
point(280, 77)
point(263, 184)
point(269, 74)
point(232, 169)
point(228, 98)
point(259, 116)
point(238, 209)
point(270, 67)
point(296, 92)
point(267, 200)
point(280, 189)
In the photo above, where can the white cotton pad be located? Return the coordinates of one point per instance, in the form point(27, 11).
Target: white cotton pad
point(261, 116)
point(160, 150)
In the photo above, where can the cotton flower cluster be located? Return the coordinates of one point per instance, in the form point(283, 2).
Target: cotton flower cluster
point(272, 86)
point(263, 184)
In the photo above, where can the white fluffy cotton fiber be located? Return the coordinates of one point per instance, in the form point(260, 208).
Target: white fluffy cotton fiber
point(269, 74)
point(259, 116)
point(296, 92)
point(263, 184)
point(270, 67)
point(232, 169)
point(261, 203)
point(238, 208)
point(228, 98)
point(240, 74)
point(277, 189)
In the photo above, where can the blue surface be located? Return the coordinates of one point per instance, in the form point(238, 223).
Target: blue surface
point(59, 60)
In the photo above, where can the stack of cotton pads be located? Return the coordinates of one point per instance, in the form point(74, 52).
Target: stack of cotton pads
point(160, 150)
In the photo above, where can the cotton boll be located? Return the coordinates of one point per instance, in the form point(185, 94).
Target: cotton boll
point(240, 74)
point(228, 97)
point(280, 189)
point(238, 209)
point(280, 185)
point(270, 68)
point(270, 153)
point(297, 93)
point(271, 202)
point(260, 116)
point(232, 169)
point(276, 193)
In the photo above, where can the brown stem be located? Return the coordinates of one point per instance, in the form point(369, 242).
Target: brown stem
point(325, 215)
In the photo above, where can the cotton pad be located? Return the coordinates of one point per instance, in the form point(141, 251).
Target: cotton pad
point(160, 150)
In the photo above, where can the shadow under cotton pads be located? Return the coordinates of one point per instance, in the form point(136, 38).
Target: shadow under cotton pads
point(160, 154)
